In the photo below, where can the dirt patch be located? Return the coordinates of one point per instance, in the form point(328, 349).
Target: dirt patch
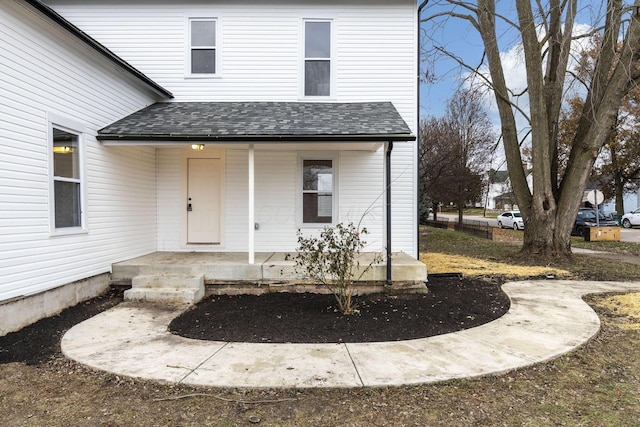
point(452, 304)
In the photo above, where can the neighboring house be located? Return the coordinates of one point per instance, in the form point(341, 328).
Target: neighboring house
point(499, 185)
point(273, 116)
point(500, 195)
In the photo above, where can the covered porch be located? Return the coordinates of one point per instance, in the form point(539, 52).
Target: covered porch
point(235, 182)
point(231, 273)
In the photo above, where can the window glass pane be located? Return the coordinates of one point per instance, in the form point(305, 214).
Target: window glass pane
point(311, 170)
point(317, 42)
point(66, 156)
point(203, 33)
point(203, 61)
point(316, 209)
point(67, 204)
point(316, 78)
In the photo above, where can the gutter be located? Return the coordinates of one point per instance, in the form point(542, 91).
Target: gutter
point(102, 50)
point(419, 47)
point(115, 138)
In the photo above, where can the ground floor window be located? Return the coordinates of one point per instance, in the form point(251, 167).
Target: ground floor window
point(317, 191)
point(67, 180)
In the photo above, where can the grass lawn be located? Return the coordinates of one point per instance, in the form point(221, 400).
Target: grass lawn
point(448, 242)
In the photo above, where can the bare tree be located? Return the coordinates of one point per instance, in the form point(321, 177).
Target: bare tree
point(545, 32)
point(454, 151)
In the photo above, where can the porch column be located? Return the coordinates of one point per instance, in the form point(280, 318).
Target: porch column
point(387, 159)
point(252, 219)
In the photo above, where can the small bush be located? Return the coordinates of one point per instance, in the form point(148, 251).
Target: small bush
point(332, 260)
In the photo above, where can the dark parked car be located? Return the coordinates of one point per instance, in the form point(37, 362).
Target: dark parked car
point(587, 218)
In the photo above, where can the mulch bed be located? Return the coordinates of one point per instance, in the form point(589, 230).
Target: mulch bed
point(452, 304)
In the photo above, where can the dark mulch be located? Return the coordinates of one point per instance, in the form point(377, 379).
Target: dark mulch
point(37, 343)
point(452, 304)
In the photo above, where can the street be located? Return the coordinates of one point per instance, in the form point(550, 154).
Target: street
point(626, 235)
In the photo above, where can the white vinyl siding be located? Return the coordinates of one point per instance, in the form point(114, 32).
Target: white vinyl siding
point(44, 70)
point(171, 202)
point(374, 60)
point(361, 189)
point(276, 173)
point(263, 46)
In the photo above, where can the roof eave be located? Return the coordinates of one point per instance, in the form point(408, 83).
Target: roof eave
point(112, 139)
point(84, 37)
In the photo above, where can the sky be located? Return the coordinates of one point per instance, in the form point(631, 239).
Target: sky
point(459, 36)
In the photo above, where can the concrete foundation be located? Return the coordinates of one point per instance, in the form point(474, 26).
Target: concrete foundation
point(17, 313)
point(230, 273)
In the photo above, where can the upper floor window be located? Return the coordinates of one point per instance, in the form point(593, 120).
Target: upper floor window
point(67, 179)
point(317, 58)
point(203, 46)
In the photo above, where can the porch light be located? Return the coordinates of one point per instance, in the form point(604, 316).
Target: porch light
point(63, 149)
point(197, 147)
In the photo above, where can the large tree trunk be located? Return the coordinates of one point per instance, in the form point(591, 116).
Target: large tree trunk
point(618, 186)
point(541, 240)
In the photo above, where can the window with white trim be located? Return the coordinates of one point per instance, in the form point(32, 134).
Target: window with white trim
point(203, 46)
point(67, 179)
point(317, 191)
point(317, 58)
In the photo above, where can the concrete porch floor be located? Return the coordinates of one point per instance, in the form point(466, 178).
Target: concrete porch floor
point(230, 272)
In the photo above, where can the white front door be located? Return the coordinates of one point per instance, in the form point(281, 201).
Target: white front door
point(203, 200)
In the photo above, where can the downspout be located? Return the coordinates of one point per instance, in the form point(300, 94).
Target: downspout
point(388, 193)
point(252, 198)
point(419, 47)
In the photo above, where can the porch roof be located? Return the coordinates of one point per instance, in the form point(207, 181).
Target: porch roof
point(268, 122)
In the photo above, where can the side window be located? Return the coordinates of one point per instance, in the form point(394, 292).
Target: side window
point(67, 179)
point(317, 58)
point(317, 191)
point(203, 46)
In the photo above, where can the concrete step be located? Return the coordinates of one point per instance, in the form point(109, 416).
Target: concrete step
point(164, 288)
point(165, 295)
point(167, 280)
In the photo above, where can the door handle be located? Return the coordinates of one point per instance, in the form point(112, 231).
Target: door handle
point(189, 207)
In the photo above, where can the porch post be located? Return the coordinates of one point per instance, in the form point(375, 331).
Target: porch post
point(388, 215)
point(252, 219)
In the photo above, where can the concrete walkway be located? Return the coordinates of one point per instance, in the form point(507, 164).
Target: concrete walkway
point(546, 319)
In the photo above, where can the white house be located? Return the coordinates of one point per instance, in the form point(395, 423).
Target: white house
point(223, 127)
point(498, 190)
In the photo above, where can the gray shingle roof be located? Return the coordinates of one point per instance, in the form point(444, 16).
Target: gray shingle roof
point(261, 121)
